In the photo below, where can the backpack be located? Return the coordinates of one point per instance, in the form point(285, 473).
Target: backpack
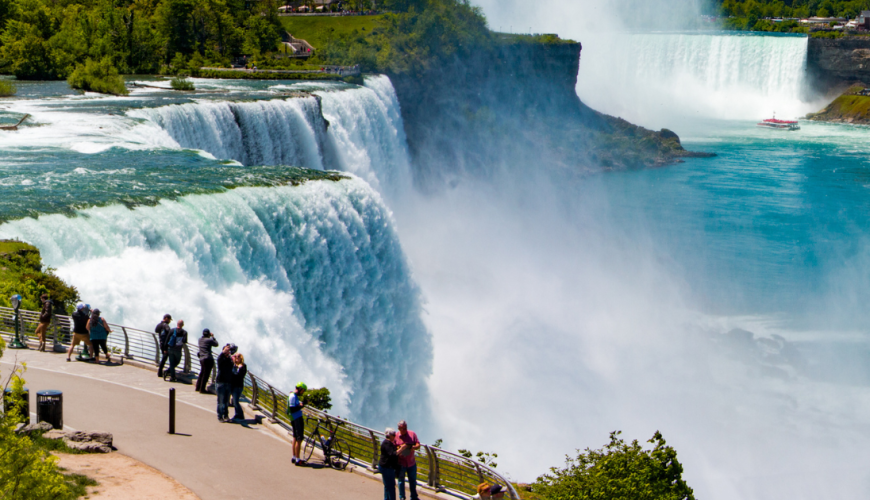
point(175, 340)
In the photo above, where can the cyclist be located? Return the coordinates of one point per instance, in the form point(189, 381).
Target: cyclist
point(294, 409)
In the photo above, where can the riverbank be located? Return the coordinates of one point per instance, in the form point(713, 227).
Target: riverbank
point(850, 107)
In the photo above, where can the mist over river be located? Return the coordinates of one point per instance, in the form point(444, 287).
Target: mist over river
point(720, 301)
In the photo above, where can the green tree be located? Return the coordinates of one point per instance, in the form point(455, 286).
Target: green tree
point(619, 471)
point(261, 36)
point(318, 398)
point(98, 76)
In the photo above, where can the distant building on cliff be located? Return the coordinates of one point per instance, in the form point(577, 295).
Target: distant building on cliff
point(864, 19)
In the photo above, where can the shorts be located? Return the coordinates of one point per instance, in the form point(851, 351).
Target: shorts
point(81, 337)
point(298, 428)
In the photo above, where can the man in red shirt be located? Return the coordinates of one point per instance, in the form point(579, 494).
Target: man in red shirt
point(408, 443)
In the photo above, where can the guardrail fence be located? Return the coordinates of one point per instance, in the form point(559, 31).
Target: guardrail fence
point(437, 469)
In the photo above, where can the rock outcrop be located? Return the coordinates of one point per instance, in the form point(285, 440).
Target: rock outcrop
point(91, 442)
point(835, 62)
point(515, 107)
point(851, 107)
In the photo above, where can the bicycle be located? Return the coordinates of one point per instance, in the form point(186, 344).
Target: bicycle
point(336, 452)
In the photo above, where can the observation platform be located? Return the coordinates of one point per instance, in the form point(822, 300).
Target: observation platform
point(215, 460)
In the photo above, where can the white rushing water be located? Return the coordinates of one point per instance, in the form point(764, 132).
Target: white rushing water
point(365, 134)
point(270, 132)
point(311, 280)
point(656, 79)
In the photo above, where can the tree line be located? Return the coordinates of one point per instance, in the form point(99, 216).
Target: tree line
point(46, 39)
point(751, 14)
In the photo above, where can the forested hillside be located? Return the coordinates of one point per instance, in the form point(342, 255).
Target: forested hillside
point(46, 39)
point(793, 8)
point(751, 14)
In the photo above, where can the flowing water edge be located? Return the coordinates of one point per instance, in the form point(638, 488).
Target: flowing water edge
point(720, 301)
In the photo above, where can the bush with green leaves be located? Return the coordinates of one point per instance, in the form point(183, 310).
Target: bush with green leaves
point(619, 471)
point(7, 88)
point(27, 472)
point(22, 273)
point(98, 76)
point(182, 83)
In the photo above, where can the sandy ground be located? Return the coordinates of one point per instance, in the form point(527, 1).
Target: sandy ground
point(122, 477)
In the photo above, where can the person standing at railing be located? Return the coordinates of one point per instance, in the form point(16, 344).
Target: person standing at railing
point(297, 420)
point(80, 329)
point(162, 330)
point(482, 492)
point(388, 463)
point(408, 444)
point(240, 370)
point(487, 492)
point(177, 339)
point(99, 331)
point(206, 360)
point(44, 320)
point(224, 380)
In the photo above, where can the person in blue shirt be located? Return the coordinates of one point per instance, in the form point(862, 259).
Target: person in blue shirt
point(98, 331)
point(294, 409)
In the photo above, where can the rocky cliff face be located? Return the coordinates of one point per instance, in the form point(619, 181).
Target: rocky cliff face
point(833, 63)
point(512, 107)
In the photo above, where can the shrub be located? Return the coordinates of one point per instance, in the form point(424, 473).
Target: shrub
point(27, 472)
point(182, 83)
point(318, 398)
point(99, 76)
point(7, 88)
point(619, 471)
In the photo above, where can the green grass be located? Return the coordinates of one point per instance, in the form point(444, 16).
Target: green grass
point(78, 483)
point(846, 107)
point(316, 30)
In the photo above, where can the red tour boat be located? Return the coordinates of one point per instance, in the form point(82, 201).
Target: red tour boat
point(779, 124)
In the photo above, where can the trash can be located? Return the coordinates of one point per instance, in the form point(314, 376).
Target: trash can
point(49, 408)
point(8, 400)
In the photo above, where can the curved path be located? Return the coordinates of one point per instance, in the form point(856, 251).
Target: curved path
point(214, 460)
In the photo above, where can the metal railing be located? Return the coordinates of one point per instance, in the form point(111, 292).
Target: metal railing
point(437, 469)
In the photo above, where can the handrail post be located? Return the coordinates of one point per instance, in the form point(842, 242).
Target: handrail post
point(157, 351)
point(187, 363)
point(255, 392)
point(434, 472)
point(375, 450)
point(126, 343)
point(274, 418)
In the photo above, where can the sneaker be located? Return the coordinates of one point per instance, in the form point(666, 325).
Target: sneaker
point(293, 460)
point(159, 373)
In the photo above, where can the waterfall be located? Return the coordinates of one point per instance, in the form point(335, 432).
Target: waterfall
point(311, 281)
point(364, 135)
point(272, 132)
point(652, 78)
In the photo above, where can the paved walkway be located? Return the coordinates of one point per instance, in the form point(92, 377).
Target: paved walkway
point(215, 460)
